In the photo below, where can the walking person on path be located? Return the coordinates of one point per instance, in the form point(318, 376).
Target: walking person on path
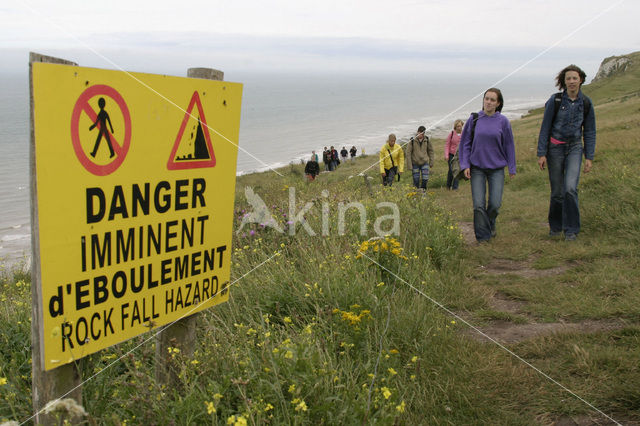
point(420, 158)
point(391, 160)
point(486, 147)
point(326, 159)
point(344, 154)
point(334, 160)
point(568, 119)
point(353, 151)
point(450, 149)
point(312, 168)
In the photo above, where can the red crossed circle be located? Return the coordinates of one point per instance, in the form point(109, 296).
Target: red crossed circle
point(82, 105)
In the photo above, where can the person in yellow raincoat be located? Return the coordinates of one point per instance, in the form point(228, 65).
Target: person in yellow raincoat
point(391, 160)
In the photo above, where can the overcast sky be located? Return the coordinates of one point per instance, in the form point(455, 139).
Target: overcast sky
point(336, 35)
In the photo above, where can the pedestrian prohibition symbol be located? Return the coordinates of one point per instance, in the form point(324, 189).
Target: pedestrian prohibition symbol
point(102, 129)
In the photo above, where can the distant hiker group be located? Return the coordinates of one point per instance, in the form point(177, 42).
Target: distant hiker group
point(330, 159)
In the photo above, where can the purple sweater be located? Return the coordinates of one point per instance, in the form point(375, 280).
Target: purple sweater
point(493, 146)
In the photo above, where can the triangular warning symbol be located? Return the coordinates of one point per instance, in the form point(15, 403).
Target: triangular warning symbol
point(192, 149)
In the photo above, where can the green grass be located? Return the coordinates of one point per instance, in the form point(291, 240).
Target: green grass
point(313, 337)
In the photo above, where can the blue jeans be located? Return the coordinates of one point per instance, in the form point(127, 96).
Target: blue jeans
point(484, 214)
point(564, 162)
point(416, 171)
point(452, 183)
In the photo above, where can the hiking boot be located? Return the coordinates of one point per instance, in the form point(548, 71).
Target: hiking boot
point(555, 233)
point(570, 237)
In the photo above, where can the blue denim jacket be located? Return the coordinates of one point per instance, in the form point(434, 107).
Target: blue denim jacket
point(569, 126)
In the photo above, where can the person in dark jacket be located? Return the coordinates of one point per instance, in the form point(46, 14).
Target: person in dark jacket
point(312, 169)
point(568, 119)
point(334, 161)
point(353, 151)
point(344, 153)
point(326, 159)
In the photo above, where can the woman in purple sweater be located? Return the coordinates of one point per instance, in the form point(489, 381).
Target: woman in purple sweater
point(483, 160)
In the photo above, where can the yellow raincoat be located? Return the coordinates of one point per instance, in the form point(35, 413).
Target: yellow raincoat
point(397, 154)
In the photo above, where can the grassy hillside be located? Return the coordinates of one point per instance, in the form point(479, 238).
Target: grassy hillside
point(618, 86)
point(341, 327)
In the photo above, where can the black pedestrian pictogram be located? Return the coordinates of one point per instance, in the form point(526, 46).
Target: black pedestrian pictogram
point(200, 151)
point(118, 145)
point(101, 122)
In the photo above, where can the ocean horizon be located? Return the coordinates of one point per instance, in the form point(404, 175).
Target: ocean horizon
point(284, 117)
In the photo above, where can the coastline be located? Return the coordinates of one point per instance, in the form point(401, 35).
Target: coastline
point(437, 129)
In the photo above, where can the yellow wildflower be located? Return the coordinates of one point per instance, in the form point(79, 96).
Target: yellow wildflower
point(386, 392)
point(392, 371)
point(3, 381)
point(287, 320)
point(236, 420)
point(210, 408)
point(400, 407)
point(302, 406)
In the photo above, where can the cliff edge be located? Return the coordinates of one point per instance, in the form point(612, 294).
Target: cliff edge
point(618, 77)
point(613, 65)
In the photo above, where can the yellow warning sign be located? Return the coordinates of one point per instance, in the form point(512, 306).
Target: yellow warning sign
point(135, 177)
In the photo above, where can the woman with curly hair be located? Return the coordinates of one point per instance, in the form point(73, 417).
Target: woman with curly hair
point(569, 119)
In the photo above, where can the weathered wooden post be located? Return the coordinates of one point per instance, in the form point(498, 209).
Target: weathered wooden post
point(52, 384)
point(182, 333)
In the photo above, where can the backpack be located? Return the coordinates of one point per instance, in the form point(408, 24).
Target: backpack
point(455, 161)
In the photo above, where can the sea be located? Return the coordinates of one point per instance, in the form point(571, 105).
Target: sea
point(285, 116)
